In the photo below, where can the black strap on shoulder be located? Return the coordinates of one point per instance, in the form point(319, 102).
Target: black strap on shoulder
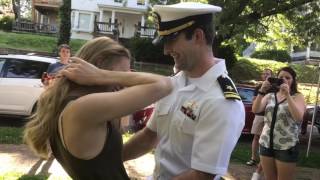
point(274, 118)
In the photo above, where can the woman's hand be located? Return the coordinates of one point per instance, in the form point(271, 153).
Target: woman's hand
point(265, 86)
point(284, 89)
point(81, 72)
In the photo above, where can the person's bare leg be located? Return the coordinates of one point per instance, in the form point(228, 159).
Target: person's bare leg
point(269, 167)
point(254, 151)
point(259, 168)
point(254, 147)
point(286, 171)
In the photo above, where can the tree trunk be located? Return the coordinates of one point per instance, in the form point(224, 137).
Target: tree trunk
point(65, 22)
point(16, 9)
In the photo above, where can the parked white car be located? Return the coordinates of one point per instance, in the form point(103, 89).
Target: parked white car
point(20, 82)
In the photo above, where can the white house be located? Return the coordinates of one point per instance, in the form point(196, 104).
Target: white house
point(91, 18)
point(311, 55)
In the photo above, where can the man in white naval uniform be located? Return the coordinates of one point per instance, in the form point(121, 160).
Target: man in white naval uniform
point(197, 126)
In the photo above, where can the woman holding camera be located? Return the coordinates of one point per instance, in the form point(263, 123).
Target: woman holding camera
point(284, 109)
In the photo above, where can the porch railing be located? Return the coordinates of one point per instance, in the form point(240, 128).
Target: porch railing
point(34, 27)
point(145, 31)
point(106, 28)
point(49, 2)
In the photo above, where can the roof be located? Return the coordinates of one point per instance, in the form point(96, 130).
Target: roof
point(30, 57)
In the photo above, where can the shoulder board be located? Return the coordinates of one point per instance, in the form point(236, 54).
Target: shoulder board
point(229, 90)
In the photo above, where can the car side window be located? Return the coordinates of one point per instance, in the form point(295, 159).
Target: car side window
point(19, 68)
point(2, 61)
point(246, 94)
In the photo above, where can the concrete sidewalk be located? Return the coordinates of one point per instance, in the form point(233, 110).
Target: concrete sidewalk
point(18, 158)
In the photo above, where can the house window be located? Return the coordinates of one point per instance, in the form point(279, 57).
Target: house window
point(45, 19)
point(141, 2)
point(84, 21)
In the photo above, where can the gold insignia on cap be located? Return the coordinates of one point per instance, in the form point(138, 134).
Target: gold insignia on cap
point(176, 29)
point(229, 91)
point(156, 19)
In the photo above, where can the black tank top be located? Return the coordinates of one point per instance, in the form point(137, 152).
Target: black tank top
point(107, 165)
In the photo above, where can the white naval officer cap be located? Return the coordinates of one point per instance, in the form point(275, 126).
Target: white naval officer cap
point(171, 19)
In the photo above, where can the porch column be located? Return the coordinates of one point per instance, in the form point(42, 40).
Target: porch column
point(112, 19)
point(37, 17)
point(142, 25)
point(76, 20)
point(101, 16)
point(308, 51)
point(41, 19)
point(91, 25)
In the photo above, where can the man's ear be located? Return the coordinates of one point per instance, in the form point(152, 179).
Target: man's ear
point(199, 36)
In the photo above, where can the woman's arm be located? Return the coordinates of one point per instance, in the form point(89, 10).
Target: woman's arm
point(260, 102)
point(296, 104)
point(143, 89)
point(297, 107)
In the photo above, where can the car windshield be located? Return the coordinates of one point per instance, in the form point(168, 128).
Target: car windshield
point(246, 94)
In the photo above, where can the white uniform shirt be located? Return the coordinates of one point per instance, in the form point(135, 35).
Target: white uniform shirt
point(203, 140)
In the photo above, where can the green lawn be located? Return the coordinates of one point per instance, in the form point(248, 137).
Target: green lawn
point(10, 135)
point(40, 43)
point(241, 154)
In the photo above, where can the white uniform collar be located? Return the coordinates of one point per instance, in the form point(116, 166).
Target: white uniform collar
point(207, 79)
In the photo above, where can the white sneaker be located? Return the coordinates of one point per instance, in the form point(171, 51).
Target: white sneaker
point(256, 176)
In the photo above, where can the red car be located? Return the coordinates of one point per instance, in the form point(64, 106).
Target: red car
point(140, 118)
point(246, 93)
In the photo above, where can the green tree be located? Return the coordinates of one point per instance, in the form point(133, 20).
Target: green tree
point(65, 22)
point(5, 3)
point(16, 6)
point(247, 18)
point(253, 18)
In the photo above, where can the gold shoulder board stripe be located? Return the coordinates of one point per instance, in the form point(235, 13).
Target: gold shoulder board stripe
point(232, 93)
point(230, 96)
point(172, 30)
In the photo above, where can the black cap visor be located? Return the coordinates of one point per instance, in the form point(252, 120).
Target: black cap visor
point(164, 39)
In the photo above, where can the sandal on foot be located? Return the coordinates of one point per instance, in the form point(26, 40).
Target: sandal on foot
point(252, 162)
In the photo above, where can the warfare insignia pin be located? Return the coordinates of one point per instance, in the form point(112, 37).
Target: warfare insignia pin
point(188, 109)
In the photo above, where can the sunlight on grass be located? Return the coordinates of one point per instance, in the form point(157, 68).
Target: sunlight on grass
point(22, 176)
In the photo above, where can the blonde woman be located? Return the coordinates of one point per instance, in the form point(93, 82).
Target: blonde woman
point(77, 119)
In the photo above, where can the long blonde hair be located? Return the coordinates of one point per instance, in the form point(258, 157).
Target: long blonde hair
point(44, 122)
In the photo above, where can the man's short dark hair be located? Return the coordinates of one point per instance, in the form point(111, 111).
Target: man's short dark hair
point(66, 46)
point(207, 28)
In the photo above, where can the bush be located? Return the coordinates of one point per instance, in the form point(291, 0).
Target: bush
point(6, 23)
point(277, 55)
point(246, 69)
point(142, 49)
